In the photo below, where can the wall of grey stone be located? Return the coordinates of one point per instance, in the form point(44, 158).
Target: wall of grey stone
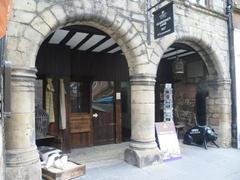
point(205, 30)
point(184, 104)
point(125, 21)
point(219, 110)
point(191, 22)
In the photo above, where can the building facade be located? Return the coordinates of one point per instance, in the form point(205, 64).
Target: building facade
point(200, 25)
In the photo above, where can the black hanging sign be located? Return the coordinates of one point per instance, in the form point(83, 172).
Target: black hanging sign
point(163, 21)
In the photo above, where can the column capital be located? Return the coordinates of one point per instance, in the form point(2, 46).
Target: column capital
point(22, 73)
point(143, 79)
point(23, 79)
point(219, 82)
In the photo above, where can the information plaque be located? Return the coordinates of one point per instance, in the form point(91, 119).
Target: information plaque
point(163, 21)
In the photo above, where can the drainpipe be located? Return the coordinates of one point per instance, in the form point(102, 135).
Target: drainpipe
point(148, 14)
point(2, 43)
point(232, 71)
point(2, 139)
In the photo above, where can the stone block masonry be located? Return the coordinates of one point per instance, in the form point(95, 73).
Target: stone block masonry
point(32, 21)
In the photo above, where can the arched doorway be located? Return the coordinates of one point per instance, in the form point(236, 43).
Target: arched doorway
point(91, 67)
point(191, 68)
point(22, 156)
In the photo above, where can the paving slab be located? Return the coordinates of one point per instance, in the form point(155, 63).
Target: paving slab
point(106, 163)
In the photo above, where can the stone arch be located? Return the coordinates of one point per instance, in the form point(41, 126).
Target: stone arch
point(213, 57)
point(97, 15)
point(29, 34)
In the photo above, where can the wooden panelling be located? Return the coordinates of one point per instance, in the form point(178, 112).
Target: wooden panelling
point(118, 121)
point(54, 61)
point(103, 128)
point(99, 67)
point(80, 140)
point(80, 129)
point(59, 61)
point(80, 122)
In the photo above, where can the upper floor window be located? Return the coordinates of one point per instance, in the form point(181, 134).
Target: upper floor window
point(205, 3)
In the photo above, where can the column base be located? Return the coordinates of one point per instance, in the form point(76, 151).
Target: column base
point(27, 172)
point(23, 164)
point(143, 157)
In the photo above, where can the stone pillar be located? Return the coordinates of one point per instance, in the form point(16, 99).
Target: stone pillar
point(143, 149)
point(219, 110)
point(22, 158)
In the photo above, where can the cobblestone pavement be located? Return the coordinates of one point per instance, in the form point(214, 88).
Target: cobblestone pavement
point(196, 163)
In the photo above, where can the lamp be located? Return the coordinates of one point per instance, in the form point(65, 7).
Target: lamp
point(178, 66)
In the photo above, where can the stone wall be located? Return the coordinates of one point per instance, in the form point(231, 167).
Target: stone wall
point(125, 21)
point(219, 110)
point(184, 104)
point(32, 21)
point(37, 19)
point(236, 15)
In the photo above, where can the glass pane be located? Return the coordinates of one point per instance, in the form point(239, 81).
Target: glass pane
point(79, 96)
point(102, 95)
point(39, 93)
point(75, 97)
point(202, 2)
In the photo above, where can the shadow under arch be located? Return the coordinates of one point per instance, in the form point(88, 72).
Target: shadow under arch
point(87, 66)
point(211, 54)
point(217, 79)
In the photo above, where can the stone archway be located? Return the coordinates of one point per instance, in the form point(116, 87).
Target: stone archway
point(82, 13)
point(219, 81)
point(21, 153)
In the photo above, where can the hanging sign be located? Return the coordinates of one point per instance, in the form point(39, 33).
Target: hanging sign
point(163, 21)
point(167, 140)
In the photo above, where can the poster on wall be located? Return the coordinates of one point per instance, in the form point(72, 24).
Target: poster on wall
point(167, 140)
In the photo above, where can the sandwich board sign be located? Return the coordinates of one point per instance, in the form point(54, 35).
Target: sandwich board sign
point(167, 140)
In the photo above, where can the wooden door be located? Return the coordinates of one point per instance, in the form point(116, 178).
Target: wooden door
point(104, 126)
point(80, 116)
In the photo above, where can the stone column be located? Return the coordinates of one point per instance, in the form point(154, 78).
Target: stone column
point(22, 158)
point(143, 149)
point(219, 110)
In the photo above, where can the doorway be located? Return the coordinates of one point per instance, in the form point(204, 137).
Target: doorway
point(96, 80)
point(103, 106)
point(185, 70)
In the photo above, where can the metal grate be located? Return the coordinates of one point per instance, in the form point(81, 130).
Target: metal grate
point(41, 123)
